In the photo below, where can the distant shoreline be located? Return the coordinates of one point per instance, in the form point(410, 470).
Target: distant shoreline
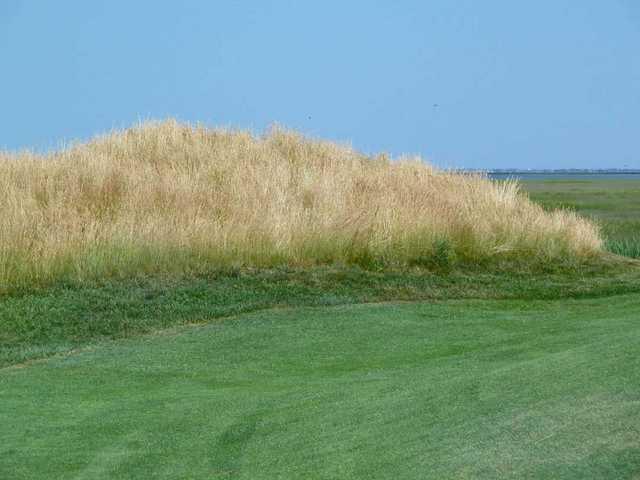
point(573, 175)
point(558, 172)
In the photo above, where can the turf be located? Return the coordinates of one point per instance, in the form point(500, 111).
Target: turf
point(37, 324)
point(453, 389)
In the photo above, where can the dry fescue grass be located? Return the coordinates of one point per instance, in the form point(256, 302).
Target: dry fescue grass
point(169, 197)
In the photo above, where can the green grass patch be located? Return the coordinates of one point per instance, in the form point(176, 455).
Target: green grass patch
point(629, 247)
point(455, 389)
point(39, 323)
point(613, 204)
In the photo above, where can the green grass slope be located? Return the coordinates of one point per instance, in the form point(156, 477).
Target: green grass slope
point(40, 323)
point(455, 389)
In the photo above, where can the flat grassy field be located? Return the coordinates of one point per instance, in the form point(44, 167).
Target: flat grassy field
point(486, 371)
point(614, 204)
point(453, 389)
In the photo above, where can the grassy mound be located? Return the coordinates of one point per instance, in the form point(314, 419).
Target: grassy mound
point(172, 198)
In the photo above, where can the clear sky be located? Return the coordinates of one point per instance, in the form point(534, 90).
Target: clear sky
point(464, 83)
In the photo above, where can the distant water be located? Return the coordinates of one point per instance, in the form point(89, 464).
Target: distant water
point(524, 176)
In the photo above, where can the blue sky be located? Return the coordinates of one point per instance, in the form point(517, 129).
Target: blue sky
point(529, 84)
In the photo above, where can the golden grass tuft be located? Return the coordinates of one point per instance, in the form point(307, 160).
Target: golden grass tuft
point(170, 197)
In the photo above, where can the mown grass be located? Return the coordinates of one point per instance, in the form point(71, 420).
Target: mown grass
point(471, 389)
point(37, 324)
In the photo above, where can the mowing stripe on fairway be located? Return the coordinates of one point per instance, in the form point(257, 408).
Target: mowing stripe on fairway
point(458, 389)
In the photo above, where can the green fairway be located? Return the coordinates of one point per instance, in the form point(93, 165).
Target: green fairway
point(456, 389)
point(614, 204)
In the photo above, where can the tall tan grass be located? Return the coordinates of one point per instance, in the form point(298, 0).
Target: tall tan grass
point(169, 197)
